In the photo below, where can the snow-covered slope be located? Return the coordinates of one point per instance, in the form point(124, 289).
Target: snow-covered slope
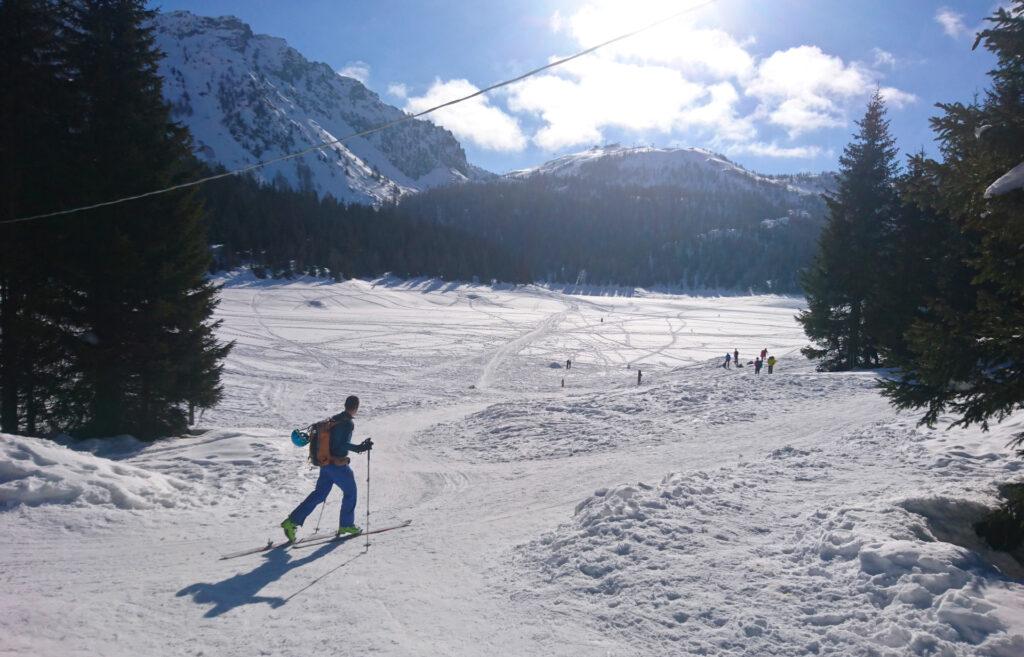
point(704, 512)
point(647, 167)
point(249, 97)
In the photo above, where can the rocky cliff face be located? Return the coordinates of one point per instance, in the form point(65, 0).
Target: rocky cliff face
point(248, 97)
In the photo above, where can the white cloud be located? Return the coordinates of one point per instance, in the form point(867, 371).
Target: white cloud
point(589, 94)
point(682, 81)
point(556, 22)
point(952, 22)
point(897, 99)
point(884, 58)
point(398, 90)
point(806, 114)
point(678, 43)
point(803, 89)
point(719, 115)
point(474, 120)
point(774, 150)
point(806, 70)
point(358, 69)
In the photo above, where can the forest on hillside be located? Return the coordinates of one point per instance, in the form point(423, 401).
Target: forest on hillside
point(695, 235)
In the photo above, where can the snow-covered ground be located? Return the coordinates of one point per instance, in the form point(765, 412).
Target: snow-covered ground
point(705, 511)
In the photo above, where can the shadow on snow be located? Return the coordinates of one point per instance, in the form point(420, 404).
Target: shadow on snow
point(244, 588)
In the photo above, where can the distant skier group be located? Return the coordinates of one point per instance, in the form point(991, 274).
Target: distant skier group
point(759, 362)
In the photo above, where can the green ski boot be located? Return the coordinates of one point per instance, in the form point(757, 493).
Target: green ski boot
point(344, 532)
point(289, 528)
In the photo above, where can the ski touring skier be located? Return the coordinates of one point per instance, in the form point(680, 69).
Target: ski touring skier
point(771, 363)
point(728, 359)
point(332, 459)
point(736, 357)
point(757, 365)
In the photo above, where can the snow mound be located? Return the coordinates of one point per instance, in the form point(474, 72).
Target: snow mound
point(761, 559)
point(34, 471)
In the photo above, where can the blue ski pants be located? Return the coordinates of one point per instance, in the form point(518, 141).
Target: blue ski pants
point(330, 475)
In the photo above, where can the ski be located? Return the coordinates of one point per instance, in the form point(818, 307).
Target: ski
point(349, 537)
point(271, 545)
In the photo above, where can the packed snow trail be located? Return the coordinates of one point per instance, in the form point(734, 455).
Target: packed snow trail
point(701, 495)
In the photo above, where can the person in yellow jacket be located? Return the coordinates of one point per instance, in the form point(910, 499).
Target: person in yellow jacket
point(771, 363)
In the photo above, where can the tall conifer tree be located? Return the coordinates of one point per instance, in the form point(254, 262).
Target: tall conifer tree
point(142, 297)
point(38, 111)
point(842, 286)
point(968, 355)
point(922, 252)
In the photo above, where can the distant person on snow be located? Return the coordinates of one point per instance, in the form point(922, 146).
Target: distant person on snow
point(334, 471)
point(728, 359)
point(764, 354)
point(568, 364)
point(771, 363)
point(639, 375)
point(757, 365)
point(736, 357)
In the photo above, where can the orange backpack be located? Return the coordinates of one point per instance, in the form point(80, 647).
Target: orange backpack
point(320, 450)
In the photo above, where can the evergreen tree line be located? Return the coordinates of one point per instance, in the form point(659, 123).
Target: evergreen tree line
point(104, 315)
point(696, 232)
point(921, 270)
point(280, 232)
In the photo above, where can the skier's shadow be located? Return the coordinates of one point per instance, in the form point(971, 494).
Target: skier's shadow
point(244, 588)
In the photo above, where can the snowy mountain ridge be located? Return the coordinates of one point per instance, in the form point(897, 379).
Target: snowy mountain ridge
point(249, 97)
point(648, 166)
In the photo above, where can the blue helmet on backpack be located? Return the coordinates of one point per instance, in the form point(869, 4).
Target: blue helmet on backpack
point(300, 438)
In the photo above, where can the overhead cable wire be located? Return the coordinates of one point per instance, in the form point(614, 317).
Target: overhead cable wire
point(362, 133)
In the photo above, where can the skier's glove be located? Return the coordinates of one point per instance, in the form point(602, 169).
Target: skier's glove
point(367, 445)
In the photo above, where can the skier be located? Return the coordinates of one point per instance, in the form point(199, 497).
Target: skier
point(771, 363)
point(736, 357)
point(764, 354)
point(728, 359)
point(757, 365)
point(639, 375)
point(568, 364)
point(335, 472)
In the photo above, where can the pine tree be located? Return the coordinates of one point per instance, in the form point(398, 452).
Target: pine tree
point(139, 267)
point(968, 353)
point(921, 248)
point(842, 287)
point(37, 113)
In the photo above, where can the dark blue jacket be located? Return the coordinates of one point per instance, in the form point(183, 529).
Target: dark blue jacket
point(341, 436)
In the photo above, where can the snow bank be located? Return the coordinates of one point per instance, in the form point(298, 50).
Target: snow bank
point(34, 471)
point(788, 555)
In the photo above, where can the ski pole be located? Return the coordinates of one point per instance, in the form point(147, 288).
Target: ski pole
point(367, 546)
point(323, 505)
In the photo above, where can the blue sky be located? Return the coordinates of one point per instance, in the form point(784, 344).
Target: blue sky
point(774, 84)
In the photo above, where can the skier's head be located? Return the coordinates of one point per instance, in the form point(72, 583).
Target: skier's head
point(352, 404)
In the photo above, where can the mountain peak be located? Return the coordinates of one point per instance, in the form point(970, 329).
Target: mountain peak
point(250, 97)
point(649, 166)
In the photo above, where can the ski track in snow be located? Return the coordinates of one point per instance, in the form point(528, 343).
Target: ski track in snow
point(704, 512)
